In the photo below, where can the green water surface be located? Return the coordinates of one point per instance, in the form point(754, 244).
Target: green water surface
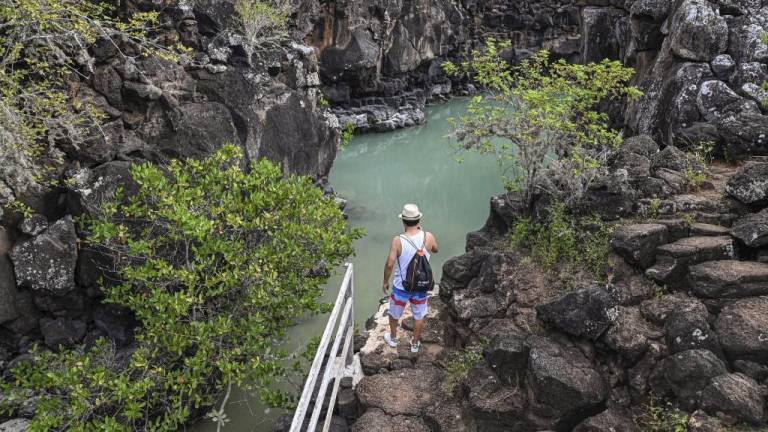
point(377, 174)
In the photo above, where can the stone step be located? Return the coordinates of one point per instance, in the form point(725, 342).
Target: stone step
point(673, 259)
point(729, 279)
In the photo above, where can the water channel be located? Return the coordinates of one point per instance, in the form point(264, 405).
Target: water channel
point(378, 173)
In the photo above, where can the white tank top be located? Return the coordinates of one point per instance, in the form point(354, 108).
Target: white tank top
point(407, 253)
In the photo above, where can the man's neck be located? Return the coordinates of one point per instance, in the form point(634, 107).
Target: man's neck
point(412, 230)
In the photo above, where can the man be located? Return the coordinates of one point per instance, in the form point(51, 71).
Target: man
point(401, 251)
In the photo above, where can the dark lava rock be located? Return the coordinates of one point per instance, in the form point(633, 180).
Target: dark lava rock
point(722, 65)
point(701, 422)
point(715, 98)
point(752, 229)
point(756, 371)
point(637, 243)
point(47, 261)
point(743, 134)
point(494, 405)
point(507, 356)
point(33, 225)
point(610, 420)
point(642, 145)
point(61, 332)
point(448, 416)
point(703, 229)
point(378, 420)
point(699, 33)
point(671, 158)
point(730, 278)
point(735, 395)
point(563, 381)
point(673, 260)
point(743, 329)
point(89, 188)
point(586, 313)
point(687, 329)
point(686, 373)
point(630, 335)
point(657, 310)
point(750, 184)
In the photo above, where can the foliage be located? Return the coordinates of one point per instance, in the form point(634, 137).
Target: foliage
point(457, 366)
point(661, 416)
point(322, 101)
point(699, 157)
point(654, 207)
point(263, 20)
point(564, 239)
point(215, 262)
point(542, 114)
point(347, 134)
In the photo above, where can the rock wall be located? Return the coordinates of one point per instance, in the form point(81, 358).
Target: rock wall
point(264, 100)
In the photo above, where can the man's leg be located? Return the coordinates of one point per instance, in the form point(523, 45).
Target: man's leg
point(419, 310)
point(418, 326)
point(393, 323)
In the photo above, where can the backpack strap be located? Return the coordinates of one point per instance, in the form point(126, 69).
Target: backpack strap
point(423, 243)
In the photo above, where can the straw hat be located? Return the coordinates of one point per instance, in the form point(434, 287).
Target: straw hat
point(410, 213)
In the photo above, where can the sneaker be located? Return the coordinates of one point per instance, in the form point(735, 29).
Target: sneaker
point(415, 346)
point(388, 339)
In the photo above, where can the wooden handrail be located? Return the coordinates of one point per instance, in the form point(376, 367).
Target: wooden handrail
point(343, 315)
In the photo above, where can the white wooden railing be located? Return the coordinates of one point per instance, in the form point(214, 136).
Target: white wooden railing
point(335, 363)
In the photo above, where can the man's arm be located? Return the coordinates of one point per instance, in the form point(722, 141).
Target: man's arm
point(433, 246)
point(394, 248)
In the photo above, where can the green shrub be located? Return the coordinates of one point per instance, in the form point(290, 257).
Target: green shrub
point(458, 365)
point(563, 239)
point(215, 262)
point(699, 157)
point(347, 134)
point(263, 20)
point(662, 416)
point(540, 120)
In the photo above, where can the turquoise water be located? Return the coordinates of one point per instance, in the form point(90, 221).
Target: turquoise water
point(378, 173)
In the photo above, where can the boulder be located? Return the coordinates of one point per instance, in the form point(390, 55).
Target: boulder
point(630, 335)
point(687, 373)
point(704, 229)
point(752, 229)
point(746, 40)
point(563, 381)
point(756, 93)
point(62, 332)
point(637, 166)
point(735, 395)
point(89, 188)
point(742, 328)
point(377, 420)
point(744, 134)
point(689, 329)
point(449, 416)
point(714, 98)
point(47, 261)
point(657, 310)
point(637, 243)
point(33, 225)
point(642, 145)
point(750, 184)
point(749, 73)
point(722, 65)
point(586, 313)
point(610, 420)
point(671, 158)
point(507, 356)
point(599, 36)
point(375, 391)
point(701, 422)
point(468, 304)
point(729, 278)
point(493, 404)
point(698, 32)
point(673, 260)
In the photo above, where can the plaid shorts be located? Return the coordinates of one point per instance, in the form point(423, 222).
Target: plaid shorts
point(399, 298)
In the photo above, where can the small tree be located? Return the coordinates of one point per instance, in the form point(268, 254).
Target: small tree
point(262, 19)
point(540, 118)
point(216, 263)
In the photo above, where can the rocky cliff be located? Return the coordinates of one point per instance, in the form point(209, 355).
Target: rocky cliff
point(264, 100)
